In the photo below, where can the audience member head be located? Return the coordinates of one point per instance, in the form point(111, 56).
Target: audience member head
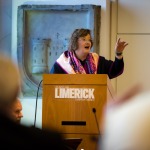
point(10, 81)
point(15, 111)
point(127, 123)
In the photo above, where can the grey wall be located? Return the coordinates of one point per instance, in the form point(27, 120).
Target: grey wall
point(5, 26)
point(29, 103)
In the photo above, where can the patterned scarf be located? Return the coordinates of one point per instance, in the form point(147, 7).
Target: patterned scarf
point(77, 66)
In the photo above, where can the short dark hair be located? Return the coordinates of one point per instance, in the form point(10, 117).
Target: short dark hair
point(73, 45)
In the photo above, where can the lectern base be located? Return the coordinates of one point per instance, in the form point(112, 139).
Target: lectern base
point(72, 143)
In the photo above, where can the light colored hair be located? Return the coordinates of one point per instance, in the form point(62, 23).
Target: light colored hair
point(73, 45)
point(10, 80)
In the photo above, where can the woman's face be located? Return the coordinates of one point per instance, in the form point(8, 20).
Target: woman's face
point(84, 45)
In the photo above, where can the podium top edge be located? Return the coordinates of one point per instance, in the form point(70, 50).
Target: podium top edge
point(75, 79)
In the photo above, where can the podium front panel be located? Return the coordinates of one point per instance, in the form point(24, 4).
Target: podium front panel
point(74, 104)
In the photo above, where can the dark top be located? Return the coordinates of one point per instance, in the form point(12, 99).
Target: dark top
point(15, 136)
point(109, 67)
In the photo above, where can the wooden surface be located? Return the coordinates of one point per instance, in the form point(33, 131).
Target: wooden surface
point(57, 110)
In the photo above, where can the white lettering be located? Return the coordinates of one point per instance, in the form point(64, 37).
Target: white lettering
point(72, 93)
point(85, 93)
point(56, 93)
point(64, 92)
point(77, 93)
point(91, 93)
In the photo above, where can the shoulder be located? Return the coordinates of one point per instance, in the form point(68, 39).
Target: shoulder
point(45, 137)
point(94, 54)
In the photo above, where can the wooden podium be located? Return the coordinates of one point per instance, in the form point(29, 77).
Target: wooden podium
point(73, 104)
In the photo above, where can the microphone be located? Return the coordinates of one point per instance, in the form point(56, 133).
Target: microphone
point(94, 111)
point(36, 103)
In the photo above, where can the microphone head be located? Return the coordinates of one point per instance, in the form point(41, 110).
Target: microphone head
point(94, 110)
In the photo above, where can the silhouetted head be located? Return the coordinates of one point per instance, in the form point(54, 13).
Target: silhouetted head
point(15, 111)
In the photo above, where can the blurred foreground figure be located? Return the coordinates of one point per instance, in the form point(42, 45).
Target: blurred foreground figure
point(127, 124)
point(14, 135)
